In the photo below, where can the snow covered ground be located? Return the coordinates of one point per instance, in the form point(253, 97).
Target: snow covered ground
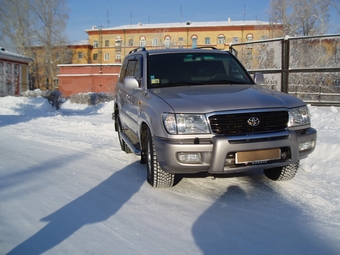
point(67, 188)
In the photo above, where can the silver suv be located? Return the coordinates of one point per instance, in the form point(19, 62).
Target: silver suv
point(186, 111)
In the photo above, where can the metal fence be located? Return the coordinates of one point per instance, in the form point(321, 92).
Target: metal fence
point(307, 67)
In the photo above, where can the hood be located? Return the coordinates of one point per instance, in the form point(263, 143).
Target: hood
point(212, 98)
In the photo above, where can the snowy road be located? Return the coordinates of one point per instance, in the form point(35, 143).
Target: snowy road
point(66, 188)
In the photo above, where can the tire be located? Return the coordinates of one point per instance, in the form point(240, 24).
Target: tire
point(284, 173)
point(156, 177)
point(123, 145)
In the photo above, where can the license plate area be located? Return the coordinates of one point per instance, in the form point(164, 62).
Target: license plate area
point(244, 157)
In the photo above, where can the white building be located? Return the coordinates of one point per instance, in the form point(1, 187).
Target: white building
point(14, 73)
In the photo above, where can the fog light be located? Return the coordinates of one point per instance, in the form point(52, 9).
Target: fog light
point(306, 145)
point(189, 157)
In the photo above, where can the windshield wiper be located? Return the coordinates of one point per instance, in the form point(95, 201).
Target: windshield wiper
point(180, 83)
point(224, 82)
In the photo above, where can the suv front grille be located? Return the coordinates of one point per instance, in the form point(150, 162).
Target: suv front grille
point(237, 124)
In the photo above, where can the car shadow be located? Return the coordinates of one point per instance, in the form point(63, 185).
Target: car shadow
point(91, 207)
point(253, 218)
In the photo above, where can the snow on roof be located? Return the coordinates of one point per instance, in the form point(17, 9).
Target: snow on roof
point(79, 42)
point(185, 24)
point(13, 56)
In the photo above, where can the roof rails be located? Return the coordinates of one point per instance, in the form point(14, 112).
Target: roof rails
point(206, 47)
point(137, 49)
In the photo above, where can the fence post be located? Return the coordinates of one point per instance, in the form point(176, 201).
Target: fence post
point(285, 65)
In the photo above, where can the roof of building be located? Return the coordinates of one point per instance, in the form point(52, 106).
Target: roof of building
point(79, 42)
point(4, 54)
point(185, 24)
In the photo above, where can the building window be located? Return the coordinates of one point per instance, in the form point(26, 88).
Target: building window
point(180, 42)
point(118, 55)
point(142, 42)
point(107, 57)
point(16, 70)
point(95, 56)
point(249, 37)
point(221, 39)
point(95, 44)
point(130, 42)
point(235, 39)
point(155, 42)
point(207, 40)
point(167, 42)
point(118, 45)
point(194, 41)
point(80, 55)
point(8, 68)
point(107, 43)
point(250, 55)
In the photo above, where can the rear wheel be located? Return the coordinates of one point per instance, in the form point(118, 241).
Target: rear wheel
point(156, 177)
point(284, 173)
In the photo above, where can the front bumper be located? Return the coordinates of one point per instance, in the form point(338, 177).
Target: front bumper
point(218, 155)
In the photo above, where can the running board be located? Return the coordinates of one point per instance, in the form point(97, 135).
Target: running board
point(130, 144)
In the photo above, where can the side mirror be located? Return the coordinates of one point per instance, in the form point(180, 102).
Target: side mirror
point(259, 78)
point(131, 82)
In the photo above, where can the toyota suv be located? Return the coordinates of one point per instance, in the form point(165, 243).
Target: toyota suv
point(188, 111)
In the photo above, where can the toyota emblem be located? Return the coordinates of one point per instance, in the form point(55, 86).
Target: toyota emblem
point(253, 121)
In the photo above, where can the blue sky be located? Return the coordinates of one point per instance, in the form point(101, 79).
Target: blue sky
point(85, 13)
point(108, 13)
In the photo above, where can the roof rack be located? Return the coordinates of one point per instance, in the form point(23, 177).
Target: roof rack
point(137, 49)
point(206, 47)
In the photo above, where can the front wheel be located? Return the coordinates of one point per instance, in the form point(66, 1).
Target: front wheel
point(156, 177)
point(284, 173)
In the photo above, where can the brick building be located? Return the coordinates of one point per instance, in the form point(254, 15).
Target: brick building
point(99, 58)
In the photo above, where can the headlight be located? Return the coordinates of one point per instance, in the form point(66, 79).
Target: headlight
point(185, 123)
point(298, 116)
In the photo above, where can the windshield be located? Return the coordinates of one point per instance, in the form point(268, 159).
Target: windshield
point(175, 69)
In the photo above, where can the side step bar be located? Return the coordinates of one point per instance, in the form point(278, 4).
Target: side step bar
point(130, 144)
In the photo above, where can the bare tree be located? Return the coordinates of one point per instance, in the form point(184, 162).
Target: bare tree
point(16, 25)
point(301, 17)
point(36, 28)
point(335, 4)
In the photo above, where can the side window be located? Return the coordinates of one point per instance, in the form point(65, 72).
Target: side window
point(132, 67)
point(138, 68)
point(123, 71)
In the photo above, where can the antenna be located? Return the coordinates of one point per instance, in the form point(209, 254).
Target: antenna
point(244, 13)
point(107, 17)
point(180, 13)
point(130, 17)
